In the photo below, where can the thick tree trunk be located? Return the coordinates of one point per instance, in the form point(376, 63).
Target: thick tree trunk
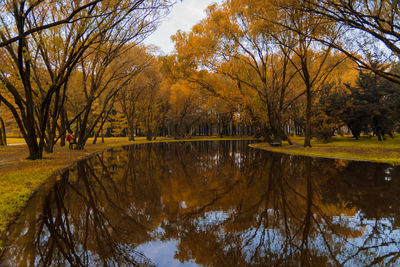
point(83, 128)
point(34, 150)
point(49, 146)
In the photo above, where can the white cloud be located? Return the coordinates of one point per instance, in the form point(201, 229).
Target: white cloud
point(182, 17)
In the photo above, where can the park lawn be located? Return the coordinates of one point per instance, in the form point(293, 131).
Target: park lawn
point(15, 140)
point(346, 147)
point(19, 177)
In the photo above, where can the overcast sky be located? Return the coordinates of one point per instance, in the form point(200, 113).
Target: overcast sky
point(182, 17)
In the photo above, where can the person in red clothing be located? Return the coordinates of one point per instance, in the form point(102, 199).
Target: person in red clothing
point(70, 139)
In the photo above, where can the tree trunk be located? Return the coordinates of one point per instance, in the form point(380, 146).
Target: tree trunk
point(95, 137)
point(81, 135)
point(63, 129)
point(3, 135)
point(175, 134)
point(1, 138)
point(220, 129)
point(307, 139)
point(34, 150)
point(149, 134)
point(286, 137)
point(131, 131)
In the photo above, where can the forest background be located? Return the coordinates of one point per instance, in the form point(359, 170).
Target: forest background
point(265, 68)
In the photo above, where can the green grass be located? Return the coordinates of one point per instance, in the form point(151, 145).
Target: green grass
point(364, 149)
point(15, 140)
point(15, 190)
point(20, 140)
point(364, 141)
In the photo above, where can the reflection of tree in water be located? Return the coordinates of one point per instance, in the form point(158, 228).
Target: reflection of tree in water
point(88, 220)
point(373, 190)
point(227, 205)
point(288, 222)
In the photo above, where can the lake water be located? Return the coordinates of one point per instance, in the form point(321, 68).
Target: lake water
point(210, 204)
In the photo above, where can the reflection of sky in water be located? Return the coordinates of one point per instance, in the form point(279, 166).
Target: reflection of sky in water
point(252, 231)
point(162, 253)
point(388, 172)
point(238, 158)
point(378, 238)
point(213, 217)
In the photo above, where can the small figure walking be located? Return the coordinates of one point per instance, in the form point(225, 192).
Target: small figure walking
point(71, 140)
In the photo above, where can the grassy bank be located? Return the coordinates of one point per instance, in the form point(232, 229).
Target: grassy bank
point(20, 177)
point(366, 149)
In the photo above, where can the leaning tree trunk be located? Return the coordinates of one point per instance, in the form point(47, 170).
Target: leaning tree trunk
point(96, 135)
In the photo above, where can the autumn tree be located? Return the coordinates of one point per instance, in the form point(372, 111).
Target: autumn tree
point(370, 31)
point(132, 94)
point(233, 42)
point(104, 73)
point(55, 59)
point(29, 105)
point(24, 9)
point(216, 98)
point(29, 96)
point(314, 62)
point(153, 105)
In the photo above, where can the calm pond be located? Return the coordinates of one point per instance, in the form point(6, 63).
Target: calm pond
point(211, 204)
